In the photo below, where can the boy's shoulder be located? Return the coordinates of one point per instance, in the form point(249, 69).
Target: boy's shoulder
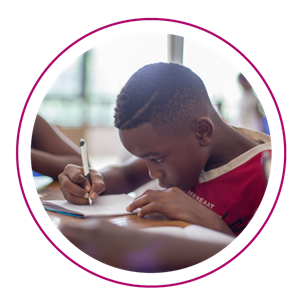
point(250, 160)
point(258, 137)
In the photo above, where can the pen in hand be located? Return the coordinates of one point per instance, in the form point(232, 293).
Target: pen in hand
point(85, 163)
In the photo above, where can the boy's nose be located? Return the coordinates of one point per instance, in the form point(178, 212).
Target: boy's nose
point(155, 173)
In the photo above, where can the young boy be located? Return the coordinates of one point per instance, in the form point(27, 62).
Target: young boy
point(211, 172)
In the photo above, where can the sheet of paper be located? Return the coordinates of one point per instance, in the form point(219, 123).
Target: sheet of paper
point(206, 242)
point(193, 232)
point(165, 230)
point(153, 185)
point(197, 232)
point(109, 205)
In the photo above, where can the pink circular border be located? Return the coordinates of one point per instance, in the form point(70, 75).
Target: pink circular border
point(108, 26)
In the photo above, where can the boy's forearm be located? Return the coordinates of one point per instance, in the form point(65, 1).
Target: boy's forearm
point(220, 226)
point(115, 181)
point(118, 179)
point(223, 228)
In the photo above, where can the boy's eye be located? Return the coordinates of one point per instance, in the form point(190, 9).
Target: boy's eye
point(157, 160)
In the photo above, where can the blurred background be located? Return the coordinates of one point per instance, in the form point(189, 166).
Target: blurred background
point(81, 102)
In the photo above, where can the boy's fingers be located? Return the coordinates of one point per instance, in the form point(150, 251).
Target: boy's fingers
point(73, 193)
point(76, 188)
point(75, 174)
point(71, 198)
point(142, 200)
point(68, 187)
point(150, 208)
point(72, 184)
point(98, 185)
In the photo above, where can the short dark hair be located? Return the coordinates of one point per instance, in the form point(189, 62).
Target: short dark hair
point(167, 95)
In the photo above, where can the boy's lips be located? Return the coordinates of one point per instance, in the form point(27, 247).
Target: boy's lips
point(164, 185)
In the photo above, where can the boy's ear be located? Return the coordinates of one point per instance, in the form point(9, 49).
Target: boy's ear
point(204, 131)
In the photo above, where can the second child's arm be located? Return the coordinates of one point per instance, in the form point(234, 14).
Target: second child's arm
point(51, 151)
point(51, 164)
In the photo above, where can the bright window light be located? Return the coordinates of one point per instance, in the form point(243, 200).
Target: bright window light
point(219, 76)
point(85, 93)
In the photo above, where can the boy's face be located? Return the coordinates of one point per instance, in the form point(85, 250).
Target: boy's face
point(176, 161)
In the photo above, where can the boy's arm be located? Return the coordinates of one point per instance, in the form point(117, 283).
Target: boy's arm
point(126, 178)
point(111, 180)
point(176, 204)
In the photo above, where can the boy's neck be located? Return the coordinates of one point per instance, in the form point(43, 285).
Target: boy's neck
point(227, 144)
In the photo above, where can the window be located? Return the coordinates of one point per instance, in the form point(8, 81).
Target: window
point(218, 75)
point(85, 93)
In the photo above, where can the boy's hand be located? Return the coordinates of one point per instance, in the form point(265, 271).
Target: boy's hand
point(76, 188)
point(175, 204)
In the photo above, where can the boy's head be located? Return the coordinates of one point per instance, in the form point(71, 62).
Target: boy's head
point(163, 117)
point(167, 95)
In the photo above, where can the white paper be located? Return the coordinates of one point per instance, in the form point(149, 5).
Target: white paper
point(106, 205)
point(153, 185)
point(192, 232)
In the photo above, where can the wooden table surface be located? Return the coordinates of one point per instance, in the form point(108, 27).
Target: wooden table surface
point(129, 249)
point(52, 192)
